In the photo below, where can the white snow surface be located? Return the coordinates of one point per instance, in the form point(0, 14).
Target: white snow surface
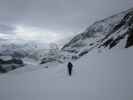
point(96, 76)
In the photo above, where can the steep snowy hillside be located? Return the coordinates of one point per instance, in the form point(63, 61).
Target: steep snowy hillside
point(115, 31)
point(96, 76)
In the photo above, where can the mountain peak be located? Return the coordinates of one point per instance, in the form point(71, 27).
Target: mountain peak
point(106, 33)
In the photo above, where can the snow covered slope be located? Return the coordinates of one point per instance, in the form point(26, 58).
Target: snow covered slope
point(113, 32)
point(96, 76)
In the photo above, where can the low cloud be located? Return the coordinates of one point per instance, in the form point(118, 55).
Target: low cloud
point(7, 29)
point(61, 17)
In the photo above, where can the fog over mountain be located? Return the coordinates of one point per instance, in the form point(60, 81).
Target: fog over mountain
point(54, 20)
point(66, 49)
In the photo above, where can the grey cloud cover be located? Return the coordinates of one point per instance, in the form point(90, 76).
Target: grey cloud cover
point(61, 16)
point(7, 29)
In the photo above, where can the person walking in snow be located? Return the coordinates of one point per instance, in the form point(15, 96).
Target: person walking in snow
point(70, 66)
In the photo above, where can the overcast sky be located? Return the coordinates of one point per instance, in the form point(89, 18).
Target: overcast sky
point(55, 19)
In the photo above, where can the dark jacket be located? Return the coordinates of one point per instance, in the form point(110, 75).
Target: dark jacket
point(70, 66)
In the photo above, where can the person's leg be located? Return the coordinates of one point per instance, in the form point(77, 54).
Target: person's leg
point(70, 71)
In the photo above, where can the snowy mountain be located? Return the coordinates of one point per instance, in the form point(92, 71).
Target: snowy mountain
point(27, 52)
point(113, 32)
point(95, 76)
point(24, 49)
point(110, 33)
